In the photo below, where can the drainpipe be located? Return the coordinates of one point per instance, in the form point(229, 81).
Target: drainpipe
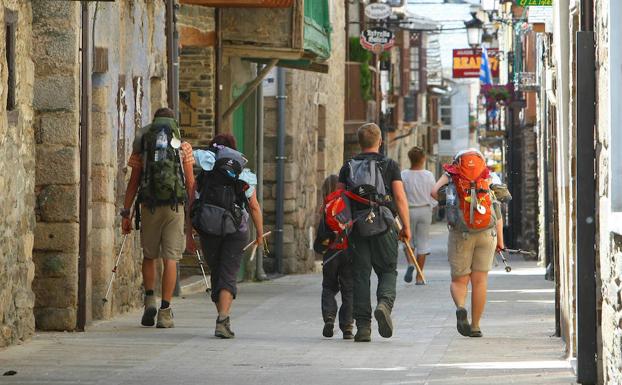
point(260, 274)
point(585, 190)
point(172, 54)
point(280, 168)
point(172, 81)
point(85, 103)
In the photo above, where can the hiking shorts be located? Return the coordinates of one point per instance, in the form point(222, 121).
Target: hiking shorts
point(470, 252)
point(162, 232)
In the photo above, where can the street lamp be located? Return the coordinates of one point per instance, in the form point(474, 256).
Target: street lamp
point(474, 30)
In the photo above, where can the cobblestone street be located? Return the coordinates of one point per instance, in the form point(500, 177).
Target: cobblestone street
point(278, 340)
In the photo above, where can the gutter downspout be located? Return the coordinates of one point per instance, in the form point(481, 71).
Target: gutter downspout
point(260, 274)
point(172, 89)
point(280, 168)
point(85, 162)
point(585, 190)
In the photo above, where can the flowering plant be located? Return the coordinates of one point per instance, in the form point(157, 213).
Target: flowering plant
point(497, 95)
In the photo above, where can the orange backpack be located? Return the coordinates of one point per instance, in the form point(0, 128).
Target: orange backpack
point(470, 210)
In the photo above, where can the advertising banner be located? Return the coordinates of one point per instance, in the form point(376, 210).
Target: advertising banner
point(467, 62)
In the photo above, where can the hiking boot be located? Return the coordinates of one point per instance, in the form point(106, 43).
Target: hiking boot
point(383, 316)
point(347, 332)
point(476, 332)
point(328, 329)
point(408, 277)
point(165, 318)
point(462, 322)
point(363, 334)
point(223, 329)
point(151, 309)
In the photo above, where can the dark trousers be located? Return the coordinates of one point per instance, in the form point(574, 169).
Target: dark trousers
point(223, 256)
point(337, 277)
point(380, 254)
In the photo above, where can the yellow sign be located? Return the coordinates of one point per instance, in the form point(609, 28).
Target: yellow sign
point(527, 3)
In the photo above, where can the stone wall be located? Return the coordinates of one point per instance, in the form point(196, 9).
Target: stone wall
point(528, 238)
point(56, 26)
point(124, 98)
point(314, 148)
point(17, 183)
point(196, 73)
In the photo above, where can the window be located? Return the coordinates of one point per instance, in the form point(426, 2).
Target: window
point(414, 69)
point(445, 134)
point(445, 111)
point(10, 21)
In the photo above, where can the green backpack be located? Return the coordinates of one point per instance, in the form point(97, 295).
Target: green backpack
point(162, 179)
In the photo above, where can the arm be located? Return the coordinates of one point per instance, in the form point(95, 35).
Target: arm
point(190, 187)
point(500, 242)
point(130, 195)
point(442, 181)
point(255, 211)
point(401, 204)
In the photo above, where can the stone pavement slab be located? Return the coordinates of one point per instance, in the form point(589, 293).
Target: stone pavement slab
point(278, 340)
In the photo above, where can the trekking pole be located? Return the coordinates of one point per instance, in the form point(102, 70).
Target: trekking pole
point(508, 268)
point(207, 287)
point(114, 269)
point(410, 251)
point(520, 251)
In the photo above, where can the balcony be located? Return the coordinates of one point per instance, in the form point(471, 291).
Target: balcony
point(299, 36)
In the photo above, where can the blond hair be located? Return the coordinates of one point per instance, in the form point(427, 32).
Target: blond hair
point(369, 135)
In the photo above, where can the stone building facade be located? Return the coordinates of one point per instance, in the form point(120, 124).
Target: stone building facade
point(314, 147)
point(40, 173)
point(197, 73)
point(17, 180)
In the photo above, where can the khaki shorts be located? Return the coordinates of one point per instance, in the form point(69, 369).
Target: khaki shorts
point(162, 232)
point(471, 251)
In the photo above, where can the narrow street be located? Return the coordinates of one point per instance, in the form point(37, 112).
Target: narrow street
point(278, 340)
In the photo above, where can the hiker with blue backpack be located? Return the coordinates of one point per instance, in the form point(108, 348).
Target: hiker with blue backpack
point(220, 214)
point(375, 184)
point(162, 177)
point(475, 233)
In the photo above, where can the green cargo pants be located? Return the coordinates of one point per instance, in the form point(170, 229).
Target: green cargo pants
point(380, 253)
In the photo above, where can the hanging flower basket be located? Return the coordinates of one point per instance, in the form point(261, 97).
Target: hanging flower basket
point(497, 95)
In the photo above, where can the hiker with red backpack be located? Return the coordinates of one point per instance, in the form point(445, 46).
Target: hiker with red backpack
point(475, 233)
point(375, 193)
point(336, 267)
point(220, 214)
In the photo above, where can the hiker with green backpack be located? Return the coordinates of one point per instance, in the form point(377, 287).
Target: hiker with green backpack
point(376, 195)
point(475, 233)
point(162, 180)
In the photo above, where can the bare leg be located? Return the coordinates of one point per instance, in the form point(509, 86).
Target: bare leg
point(225, 299)
point(169, 278)
point(459, 289)
point(421, 263)
point(479, 283)
point(149, 273)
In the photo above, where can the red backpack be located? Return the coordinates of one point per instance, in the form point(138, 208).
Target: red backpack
point(471, 210)
point(337, 221)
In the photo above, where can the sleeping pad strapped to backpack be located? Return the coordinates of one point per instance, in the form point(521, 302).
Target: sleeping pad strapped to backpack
point(222, 204)
point(162, 181)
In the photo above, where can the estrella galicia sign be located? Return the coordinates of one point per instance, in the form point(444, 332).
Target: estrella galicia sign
point(377, 39)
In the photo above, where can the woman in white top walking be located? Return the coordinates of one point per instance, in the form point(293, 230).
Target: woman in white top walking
point(418, 183)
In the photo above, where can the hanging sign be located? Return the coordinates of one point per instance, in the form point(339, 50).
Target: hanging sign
point(539, 14)
point(467, 62)
point(378, 11)
point(377, 40)
point(527, 3)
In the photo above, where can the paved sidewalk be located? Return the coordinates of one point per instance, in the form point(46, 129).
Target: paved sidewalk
point(278, 327)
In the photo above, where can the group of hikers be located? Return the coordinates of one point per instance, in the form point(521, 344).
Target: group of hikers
point(368, 208)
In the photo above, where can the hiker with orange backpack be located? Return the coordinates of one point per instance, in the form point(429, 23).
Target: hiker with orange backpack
point(336, 266)
point(475, 233)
